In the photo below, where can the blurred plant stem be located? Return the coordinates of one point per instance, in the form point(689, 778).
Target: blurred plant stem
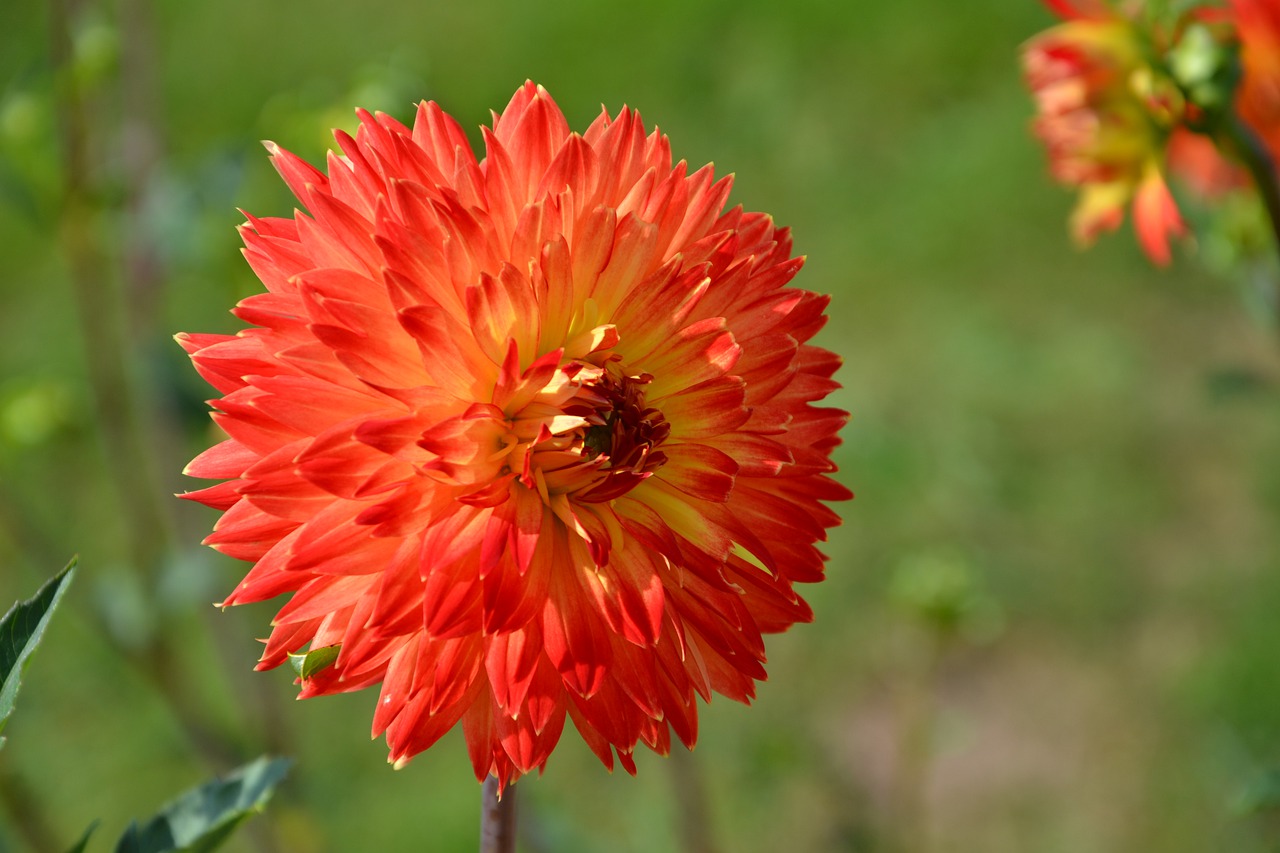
point(25, 531)
point(693, 815)
point(26, 814)
point(497, 818)
point(103, 336)
point(142, 148)
point(103, 339)
point(917, 713)
point(106, 338)
point(1258, 161)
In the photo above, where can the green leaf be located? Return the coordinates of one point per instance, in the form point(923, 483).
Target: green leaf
point(84, 839)
point(307, 664)
point(204, 817)
point(20, 633)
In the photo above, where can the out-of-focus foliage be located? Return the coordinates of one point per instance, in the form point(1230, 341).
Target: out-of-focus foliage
point(202, 819)
point(1092, 442)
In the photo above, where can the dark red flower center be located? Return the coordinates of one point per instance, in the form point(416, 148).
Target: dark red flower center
point(623, 435)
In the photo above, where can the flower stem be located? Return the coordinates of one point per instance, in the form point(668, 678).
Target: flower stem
point(917, 720)
point(497, 818)
point(693, 814)
point(107, 338)
point(104, 335)
point(26, 813)
point(1261, 168)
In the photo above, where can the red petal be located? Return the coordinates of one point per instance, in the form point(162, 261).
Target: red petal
point(510, 661)
point(699, 470)
point(1155, 218)
point(576, 640)
point(703, 351)
point(706, 410)
point(395, 685)
point(225, 459)
point(221, 497)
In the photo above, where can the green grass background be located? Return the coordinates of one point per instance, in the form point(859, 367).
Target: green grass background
point(1090, 442)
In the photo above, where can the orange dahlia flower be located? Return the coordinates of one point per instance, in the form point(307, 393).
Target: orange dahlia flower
point(1104, 114)
point(523, 437)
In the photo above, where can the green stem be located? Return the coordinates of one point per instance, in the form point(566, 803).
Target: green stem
point(26, 814)
point(1261, 168)
point(144, 268)
point(917, 721)
point(693, 814)
point(102, 329)
point(497, 818)
point(128, 451)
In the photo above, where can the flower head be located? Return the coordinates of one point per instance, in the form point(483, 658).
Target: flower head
point(525, 437)
point(1104, 112)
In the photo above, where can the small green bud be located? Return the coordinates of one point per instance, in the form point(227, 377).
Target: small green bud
point(1206, 67)
point(944, 592)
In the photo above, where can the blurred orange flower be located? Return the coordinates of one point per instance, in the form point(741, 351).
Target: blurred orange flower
point(524, 437)
point(1103, 113)
point(1258, 98)
point(1195, 161)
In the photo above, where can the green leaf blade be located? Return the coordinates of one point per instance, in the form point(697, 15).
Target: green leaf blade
point(21, 630)
point(307, 664)
point(83, 843)
point(201, 819)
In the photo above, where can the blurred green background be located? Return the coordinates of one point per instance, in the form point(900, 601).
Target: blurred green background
point(1052, 615)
